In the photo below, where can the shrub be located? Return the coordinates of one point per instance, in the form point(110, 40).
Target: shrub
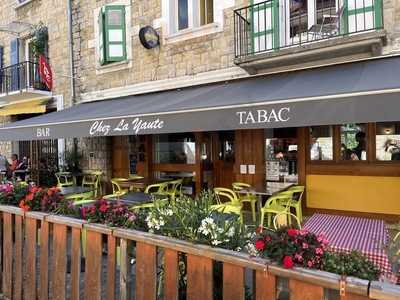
point(291, 247)
point(350, 264)
point(111, 213)
point(12, 194)
point(196, 221)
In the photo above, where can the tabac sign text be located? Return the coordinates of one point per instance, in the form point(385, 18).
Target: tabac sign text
point(136, 126)
point(260, 116)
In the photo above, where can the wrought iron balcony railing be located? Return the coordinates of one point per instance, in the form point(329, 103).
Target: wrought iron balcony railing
point(275, 24)
point(19, 77)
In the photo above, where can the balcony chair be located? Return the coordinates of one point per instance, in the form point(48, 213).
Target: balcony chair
point(285, 219)
point(233, 205)
point(274, 206)
point(296, 194)
point(64, 179)
point(330, 25)
point(248, 197)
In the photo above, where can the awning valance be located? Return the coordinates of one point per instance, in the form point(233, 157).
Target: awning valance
point(367, 91)
point(31, 106)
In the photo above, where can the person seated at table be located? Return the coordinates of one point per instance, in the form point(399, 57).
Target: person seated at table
point(13, 166)
point(22, 167)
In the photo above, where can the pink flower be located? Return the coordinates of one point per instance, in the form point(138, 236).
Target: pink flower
point(83, 211)
point(298, 257)
point(288, 262)
point(319, 251)
point(310, 264)
point(305, 246)
point(303, 232)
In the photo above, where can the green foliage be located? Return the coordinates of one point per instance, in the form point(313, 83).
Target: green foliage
point(40, 39)
point(350, 264)
point(12, 194)
point(196, 221)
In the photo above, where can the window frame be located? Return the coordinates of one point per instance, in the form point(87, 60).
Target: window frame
point(104, 39)
point(194, 16)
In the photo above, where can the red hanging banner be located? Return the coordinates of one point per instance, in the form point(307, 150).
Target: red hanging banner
point(45, 72)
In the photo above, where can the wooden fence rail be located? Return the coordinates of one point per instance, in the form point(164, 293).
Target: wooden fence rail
point(53, 257)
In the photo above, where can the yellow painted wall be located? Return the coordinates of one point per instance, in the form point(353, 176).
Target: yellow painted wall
point(354, 193)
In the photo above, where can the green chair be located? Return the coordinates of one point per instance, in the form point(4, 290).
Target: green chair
point(233, 205)
point(296, 194)
point(93, 180)
point(248, 197)
point(284, 218)
point(273, 206)
point(64, 179)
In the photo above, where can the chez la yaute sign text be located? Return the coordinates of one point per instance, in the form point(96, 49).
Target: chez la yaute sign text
point(355, 109)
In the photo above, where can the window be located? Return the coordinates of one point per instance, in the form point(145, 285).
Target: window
point(192, 13)
point(321, 143)
point(388, 141)
point(353, 141)
point(175, 149)
point(112, 34)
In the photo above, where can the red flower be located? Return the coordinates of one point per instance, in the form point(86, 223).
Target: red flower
point(29, 197)
point(267, 238)
point(260, 244)
point(103, 207)
point(288, 262)
point(292, 232)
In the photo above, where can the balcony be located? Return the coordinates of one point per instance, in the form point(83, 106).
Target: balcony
point(279, 33)
point(21, 82)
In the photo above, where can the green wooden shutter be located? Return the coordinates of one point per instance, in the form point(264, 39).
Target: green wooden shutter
point(362, 15)
point(115, 33)
point(264, 25)
point(102, 54)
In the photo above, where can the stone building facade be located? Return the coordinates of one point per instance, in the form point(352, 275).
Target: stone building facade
point(18, 20)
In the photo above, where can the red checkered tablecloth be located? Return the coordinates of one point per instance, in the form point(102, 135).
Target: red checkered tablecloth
point(346, 234)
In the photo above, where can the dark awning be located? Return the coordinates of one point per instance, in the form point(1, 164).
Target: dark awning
point(367, 91)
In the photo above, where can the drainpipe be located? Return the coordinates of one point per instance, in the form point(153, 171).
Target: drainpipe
point(72, 65)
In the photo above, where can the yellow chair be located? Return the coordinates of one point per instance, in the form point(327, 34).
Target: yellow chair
point(233, 205)
point(64, 179)
point(80, 196)
point(248, 197)
point(157, 188)
point(285, 219)
point(93, 180)
point(135, 177)
point(296, 194)
point(174, 189)
point(116, 189)
point(274, 206)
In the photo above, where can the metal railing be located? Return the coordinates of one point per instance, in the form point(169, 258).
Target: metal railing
point(275, 24)
point(20, 76)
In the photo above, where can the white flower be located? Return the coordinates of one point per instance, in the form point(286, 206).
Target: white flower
point(216, 242)
point(231, 232)
point(251, 249)
point(238, 249)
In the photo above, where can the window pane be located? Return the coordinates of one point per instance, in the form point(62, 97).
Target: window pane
point(115, 17)
point(115, 35)
point(321, 143)
point(388, 141)
point(183, 14)
point(116, 50)
point(175, 149)
point(206, 12)
point(353, 142)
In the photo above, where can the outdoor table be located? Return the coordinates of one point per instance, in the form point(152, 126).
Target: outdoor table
point(346, 234)
point(69, 190)
point(139, 184)
point(137, 198)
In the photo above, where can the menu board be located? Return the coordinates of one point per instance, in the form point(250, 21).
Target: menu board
point(272, 170)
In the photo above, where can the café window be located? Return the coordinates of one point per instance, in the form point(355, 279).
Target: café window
point(388, 141)
point(321, 143)
point(177, 148)
point(353, 142)
point(226, 146)
point(281, 155)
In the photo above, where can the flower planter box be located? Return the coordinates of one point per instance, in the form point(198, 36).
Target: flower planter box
point(59, 229)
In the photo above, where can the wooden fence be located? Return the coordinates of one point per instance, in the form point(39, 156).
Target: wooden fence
point(42, 259)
